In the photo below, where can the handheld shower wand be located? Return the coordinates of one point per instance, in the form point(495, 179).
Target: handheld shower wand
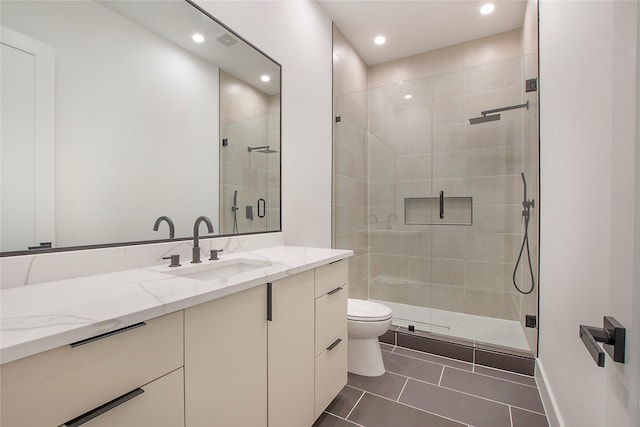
point(526, 213)
point(234, 209)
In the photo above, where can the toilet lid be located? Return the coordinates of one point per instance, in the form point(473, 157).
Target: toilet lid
point(367, 311)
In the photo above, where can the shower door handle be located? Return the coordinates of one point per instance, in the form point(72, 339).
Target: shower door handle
point(441, 204)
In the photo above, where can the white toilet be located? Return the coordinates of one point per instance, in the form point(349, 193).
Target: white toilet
point(367, 320)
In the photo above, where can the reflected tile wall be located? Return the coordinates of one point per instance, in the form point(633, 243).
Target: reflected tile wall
point(248, 118)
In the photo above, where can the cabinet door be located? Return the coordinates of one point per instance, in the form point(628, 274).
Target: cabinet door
point(226, 361)
point(160, 405)
point(291, 352)
point(52, 387)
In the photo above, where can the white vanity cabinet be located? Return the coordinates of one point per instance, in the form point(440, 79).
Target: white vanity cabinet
point(226, 361)
point(272, 355)
point(59, 385)
point(291, 351)
point(330, 333)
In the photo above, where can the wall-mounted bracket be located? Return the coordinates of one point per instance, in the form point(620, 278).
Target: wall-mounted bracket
point(612, 334)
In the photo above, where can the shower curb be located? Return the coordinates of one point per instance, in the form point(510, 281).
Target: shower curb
point(494, 356)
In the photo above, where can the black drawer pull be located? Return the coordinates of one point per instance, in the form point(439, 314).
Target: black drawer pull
point(270, 302)
point(88, 416)
point(106, 335)
point(334, 344)
point(335, 291)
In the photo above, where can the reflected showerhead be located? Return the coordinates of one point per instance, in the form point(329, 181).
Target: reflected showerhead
point(484, 119)
point(264, 149)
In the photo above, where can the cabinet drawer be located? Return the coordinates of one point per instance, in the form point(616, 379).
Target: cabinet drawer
point(331, 375)
point(55, 386)
point(160, 405)
point(331, 318)
point(331, 276)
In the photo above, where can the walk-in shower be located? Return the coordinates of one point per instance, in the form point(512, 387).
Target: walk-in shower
point(429, 196)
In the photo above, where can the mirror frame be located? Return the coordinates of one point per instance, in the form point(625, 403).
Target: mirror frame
point(178, 239)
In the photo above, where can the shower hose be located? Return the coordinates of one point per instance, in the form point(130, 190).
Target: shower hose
point(525, 241)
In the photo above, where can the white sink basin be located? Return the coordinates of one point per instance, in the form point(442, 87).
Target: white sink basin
point(219, 270)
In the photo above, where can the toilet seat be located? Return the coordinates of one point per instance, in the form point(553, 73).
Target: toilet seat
point(367, 311)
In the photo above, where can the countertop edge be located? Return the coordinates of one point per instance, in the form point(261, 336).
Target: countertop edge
point(58, 339)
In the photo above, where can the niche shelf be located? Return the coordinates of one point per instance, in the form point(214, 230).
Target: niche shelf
point(426, 211)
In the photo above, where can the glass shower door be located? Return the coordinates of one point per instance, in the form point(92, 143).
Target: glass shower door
point(399, 145)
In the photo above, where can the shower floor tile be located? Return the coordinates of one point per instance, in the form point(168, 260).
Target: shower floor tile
point(507, 333)
point(408, 394)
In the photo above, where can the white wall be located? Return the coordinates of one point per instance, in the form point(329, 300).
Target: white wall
point(297, 34)
point(587, 104)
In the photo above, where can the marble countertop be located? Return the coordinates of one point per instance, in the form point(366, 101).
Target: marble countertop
point(41, 317)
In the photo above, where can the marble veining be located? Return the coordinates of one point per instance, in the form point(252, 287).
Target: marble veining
point(47, 315)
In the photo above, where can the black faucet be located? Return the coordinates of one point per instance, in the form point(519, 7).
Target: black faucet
point(196, 237)
point(168, 220)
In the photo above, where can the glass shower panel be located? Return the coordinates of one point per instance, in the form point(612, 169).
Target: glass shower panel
point(350, 185)
point(472, 265)
point(399, 144)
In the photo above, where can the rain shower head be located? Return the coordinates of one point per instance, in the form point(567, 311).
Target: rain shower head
point(264, 149)
point(484, 119)
point(490, 116)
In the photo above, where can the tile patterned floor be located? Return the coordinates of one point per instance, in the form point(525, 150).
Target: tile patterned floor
point(423, 390)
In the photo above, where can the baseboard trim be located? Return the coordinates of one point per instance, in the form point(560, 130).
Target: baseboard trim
point(508, 359)
point(548, 399)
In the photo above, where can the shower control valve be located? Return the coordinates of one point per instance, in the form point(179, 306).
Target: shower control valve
point(527, 205)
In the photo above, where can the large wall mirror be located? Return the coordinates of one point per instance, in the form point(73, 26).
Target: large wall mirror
point(116, 113)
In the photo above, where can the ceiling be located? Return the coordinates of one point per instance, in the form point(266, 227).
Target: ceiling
point(177, 21)
point(417, 26)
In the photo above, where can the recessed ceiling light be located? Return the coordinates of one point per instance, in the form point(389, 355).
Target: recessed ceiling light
point(487, 8)
point(408, 96)
point(265, 78)
point(379, 40)
point(198, 38)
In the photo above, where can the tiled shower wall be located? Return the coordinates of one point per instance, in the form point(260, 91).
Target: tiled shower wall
point(248, 118)
point(424, 145)
point(350, 161)
point(387, 148)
